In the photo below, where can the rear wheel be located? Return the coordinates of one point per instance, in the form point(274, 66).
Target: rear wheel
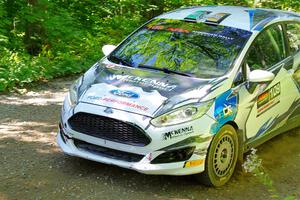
point(221, 158)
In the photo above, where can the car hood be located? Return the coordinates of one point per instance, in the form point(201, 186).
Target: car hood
point(142, 91)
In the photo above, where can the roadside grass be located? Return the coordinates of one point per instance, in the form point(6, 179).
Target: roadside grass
point(254, 165)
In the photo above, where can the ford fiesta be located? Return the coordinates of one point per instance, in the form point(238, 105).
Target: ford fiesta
point(188, 93)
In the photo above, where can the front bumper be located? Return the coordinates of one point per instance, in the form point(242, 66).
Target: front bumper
point(144, 166)
point(67, 138)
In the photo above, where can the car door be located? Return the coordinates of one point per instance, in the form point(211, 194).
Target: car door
point(266, 105)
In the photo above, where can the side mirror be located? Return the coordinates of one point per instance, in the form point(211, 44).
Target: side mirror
point(259, 76)
point(107, 49)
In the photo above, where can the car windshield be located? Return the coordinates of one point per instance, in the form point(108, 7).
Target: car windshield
point(205, 51)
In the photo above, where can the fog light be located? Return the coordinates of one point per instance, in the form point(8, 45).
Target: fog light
point(176, 155)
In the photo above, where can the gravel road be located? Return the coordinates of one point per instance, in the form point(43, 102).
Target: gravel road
point(33, 167)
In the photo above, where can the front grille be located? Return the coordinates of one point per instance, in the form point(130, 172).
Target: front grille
point(106, 152)
point(108, 128)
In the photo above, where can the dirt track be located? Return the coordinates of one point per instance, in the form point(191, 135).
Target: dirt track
point(33, 167)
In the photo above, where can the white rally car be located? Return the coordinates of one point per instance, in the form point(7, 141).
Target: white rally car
point(188, 93)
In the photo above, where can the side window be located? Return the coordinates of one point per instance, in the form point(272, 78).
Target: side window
point(267, 49)
point(293, 34)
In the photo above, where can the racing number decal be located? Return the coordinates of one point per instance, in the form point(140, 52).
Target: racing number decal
point(268, 99)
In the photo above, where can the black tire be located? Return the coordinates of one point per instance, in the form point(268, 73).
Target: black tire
point(221, 158)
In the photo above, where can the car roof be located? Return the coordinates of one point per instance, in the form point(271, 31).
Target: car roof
point(251, 19)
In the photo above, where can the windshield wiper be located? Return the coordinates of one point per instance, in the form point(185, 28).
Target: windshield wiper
point(165, 70)
point(119, 60)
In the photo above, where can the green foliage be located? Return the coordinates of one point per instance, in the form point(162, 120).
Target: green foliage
point(41, 39)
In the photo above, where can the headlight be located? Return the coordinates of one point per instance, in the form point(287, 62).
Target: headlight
point(81, 84)
point(73, 92)
point(183, 114)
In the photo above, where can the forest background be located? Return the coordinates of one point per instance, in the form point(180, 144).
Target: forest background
point(44, 39)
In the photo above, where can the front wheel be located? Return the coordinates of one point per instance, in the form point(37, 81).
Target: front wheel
point(221, 158)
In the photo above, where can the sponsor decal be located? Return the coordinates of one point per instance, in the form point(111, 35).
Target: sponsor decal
point(193, 163)
point(178, 133)
point(125, 93)
point(268, 99)
point(213, 35)
point(178, 30)
point(146, 82)
point(227, 110)
point(226, 107)
point(120, 102)
point(155, 27)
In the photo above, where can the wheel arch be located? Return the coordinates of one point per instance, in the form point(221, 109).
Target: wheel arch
point(233, 124)
point(241, 140)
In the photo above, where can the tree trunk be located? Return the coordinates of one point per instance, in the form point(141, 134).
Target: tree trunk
point(34, 31)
